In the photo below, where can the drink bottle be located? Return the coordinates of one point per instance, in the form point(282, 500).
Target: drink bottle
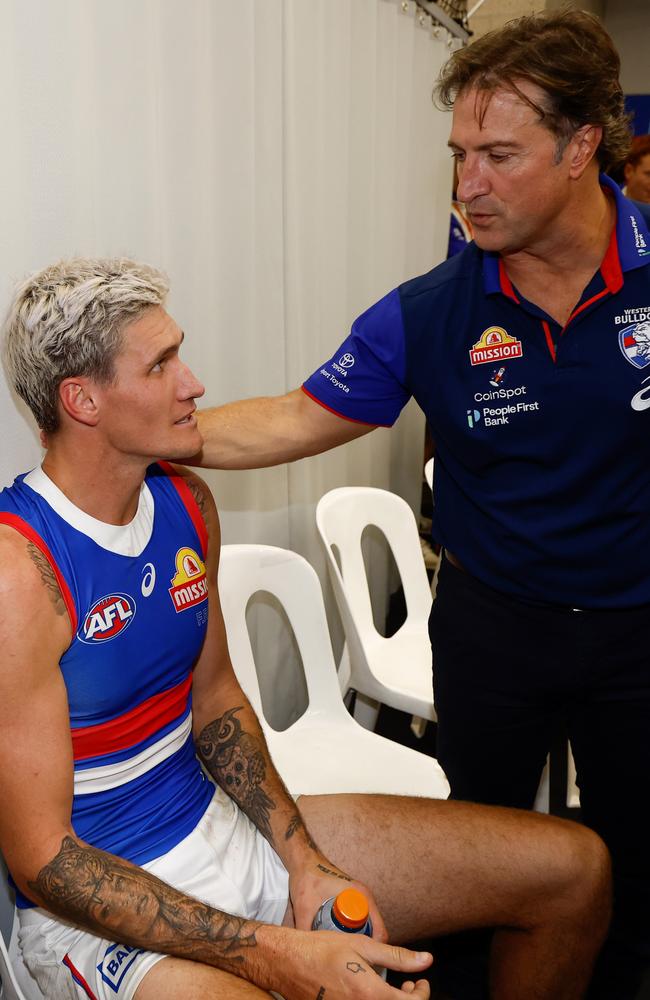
point(346, 912)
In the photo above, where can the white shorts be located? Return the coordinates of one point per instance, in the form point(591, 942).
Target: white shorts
point(224, 862)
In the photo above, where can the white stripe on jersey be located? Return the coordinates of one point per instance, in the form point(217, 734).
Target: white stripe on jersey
point(100, 779)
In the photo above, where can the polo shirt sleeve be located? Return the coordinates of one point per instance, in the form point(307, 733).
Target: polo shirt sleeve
point(364, 380)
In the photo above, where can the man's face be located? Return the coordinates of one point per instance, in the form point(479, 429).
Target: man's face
point(637, 179)
point(508, 177)
point(147, 412)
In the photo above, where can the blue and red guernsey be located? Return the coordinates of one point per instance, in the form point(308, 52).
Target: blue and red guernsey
point(136, 596)
point(542, 434)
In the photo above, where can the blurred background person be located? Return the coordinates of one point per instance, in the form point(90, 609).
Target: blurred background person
point(637, 170)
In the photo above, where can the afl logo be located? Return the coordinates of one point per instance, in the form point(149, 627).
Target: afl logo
point(107, 618)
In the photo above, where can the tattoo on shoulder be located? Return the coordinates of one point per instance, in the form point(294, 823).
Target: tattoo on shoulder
point(297, 823)
point(199, 495)
point(321, 993)
point(47, 576)
point(111, 896)
point(330, 871)
point(235, 760)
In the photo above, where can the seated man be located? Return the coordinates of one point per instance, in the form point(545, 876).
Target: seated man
point(137, 876)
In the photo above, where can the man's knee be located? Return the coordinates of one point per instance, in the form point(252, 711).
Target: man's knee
point(579, 875)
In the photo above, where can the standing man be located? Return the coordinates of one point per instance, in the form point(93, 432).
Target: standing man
point(137, 877)
point(528, 353)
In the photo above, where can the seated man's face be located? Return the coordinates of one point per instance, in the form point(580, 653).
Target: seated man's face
point(637, 179)
point(147, 411)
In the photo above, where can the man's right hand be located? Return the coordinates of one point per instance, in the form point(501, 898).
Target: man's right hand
point(329, 965)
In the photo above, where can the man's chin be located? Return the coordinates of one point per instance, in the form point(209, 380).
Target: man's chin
point(187, 449)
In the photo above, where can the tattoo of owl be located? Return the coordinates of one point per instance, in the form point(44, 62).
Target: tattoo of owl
point(236, 761)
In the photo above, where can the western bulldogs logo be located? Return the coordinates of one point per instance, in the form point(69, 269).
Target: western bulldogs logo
point(634, 342)
point(108, 617)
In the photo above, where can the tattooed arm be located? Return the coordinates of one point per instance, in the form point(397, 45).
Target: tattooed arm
point(50, 864)
point(227, 733)
point(231, 744)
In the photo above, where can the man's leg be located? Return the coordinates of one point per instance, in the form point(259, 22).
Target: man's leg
point(610, 736)
point(495, 689)
point(493, 669)
point(438, 867)
point(177, 979)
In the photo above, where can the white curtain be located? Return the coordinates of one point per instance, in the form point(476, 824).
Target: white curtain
point(280, 159)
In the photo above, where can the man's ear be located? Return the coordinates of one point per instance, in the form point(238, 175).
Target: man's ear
point(582, 148)
point(628, 170)
point(78, 400)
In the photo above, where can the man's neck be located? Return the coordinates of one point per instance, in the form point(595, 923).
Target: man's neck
point(554, 273)
point(100, 485)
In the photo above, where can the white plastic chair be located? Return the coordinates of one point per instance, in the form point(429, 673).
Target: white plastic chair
point(428, 473)
point(395, 671)
point(325, 750)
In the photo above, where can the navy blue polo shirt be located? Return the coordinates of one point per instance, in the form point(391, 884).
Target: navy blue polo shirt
point(542, 434)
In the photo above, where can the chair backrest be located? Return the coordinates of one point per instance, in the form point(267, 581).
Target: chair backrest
point(341, 517)
point(246, 570)
point(428, 473)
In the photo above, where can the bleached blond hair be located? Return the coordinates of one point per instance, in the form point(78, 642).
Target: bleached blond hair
point(68, 320)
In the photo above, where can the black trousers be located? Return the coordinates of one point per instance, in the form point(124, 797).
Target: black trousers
point(504, 670)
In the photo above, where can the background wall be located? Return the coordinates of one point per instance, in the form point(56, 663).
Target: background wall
point(281, 160)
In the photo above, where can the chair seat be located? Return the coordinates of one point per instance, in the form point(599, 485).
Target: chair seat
point(402, 672)
point(318, 757)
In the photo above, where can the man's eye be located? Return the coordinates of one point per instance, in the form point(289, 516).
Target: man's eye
point(499, 157)
point(158, 367)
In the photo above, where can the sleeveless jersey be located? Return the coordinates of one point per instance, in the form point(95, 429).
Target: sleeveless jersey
point(136, 596)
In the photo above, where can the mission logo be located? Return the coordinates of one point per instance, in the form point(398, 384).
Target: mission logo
point(107, 617)
point(495, 344)
point(189, 585)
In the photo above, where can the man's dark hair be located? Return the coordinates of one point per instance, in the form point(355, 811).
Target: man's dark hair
point(569, 55)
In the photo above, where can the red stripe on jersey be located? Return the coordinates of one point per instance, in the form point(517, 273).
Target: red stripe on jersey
point(13, 521)
point(192, 506)
point(506, 284)
point(549, 339)
point(132, 727)
point(78, 978)
point(611, 266)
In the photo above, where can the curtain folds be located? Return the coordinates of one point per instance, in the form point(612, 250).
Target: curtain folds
point(282, 160)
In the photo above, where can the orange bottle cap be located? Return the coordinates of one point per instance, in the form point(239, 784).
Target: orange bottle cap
point(350, 908)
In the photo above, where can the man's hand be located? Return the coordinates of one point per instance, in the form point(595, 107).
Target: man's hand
point(317, 880)
point(328, 965)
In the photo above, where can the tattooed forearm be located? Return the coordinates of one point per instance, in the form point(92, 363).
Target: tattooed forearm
point(236, 761)
point(330, 871)
point(117, 900)
point(297, 823)
point(47, 576)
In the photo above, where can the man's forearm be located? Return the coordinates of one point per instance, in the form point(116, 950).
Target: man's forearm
point(235, 754)
point(117, 900)
point(269, 430)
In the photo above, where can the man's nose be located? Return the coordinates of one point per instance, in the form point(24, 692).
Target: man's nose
point(189, 384)
point(472, 181)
